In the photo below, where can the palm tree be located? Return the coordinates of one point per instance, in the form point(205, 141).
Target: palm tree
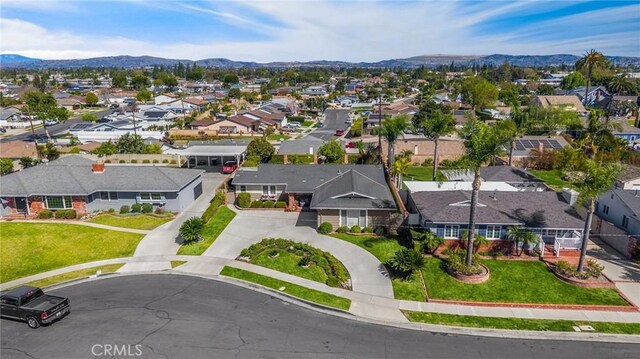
point(598, 132)
point(437, 125)
point(191, 229)
point(597, 178)
point(483, 144)
point(520, 235)
point(392, 129)
point(400, 169)
point(620, 84)
point(591, 59)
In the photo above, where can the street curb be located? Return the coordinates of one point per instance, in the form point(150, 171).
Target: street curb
point(441, 329)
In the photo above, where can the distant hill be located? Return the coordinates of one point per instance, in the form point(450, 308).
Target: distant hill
point(14, 58)
point(17, 61)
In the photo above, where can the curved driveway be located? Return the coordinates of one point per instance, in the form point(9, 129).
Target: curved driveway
point(368, 275)
point(187, 317)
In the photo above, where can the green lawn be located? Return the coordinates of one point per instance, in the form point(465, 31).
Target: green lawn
point(177, 263)
point(514, 282)
point(384, 248)
point(30, 248)
point(519, 324)
point(422, 173)
point(277, 137)
point(138, 221)
point(289, 288)
point(287, 262)
point(552, 178)
point(82, 273)
point(211, 231)
point(308, 123)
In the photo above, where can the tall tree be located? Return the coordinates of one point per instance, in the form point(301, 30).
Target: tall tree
point(596, 179)
point(131, 144)
point(598, 133)
point(392, 129)
point(590, 60)
point(620, 84)
point(479, 92)
point(483, 144)
point(400, 169)
point(437, 125)
point(572, 81)
point(44, 107)
point(91, 99)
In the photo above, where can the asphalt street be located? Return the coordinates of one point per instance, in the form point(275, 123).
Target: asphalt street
point(55, 129)
point(335, 119)
point(170, 316)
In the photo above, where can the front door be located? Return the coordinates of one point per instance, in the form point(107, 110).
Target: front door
point(21, 205)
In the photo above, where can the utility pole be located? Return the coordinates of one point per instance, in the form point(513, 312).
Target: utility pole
point(133, 113)
point(380, 128)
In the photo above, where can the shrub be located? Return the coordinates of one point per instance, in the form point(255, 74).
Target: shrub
point(244, 200)
point(280, 204)
point(431, 242)
point(45, 214)
point(355, 229)
point(636, 251)
point(173, 162)
point(70, 214)
point(304, 261)
point(325, 228)
point(191, 229)
point(380, 231)
point(428, 162)
point(256, 204)
point(136, 208)
point(155, 161)
point(122, 161)
point(107, 161)
point(147, 208)
point(145, 161)
point(60, 214)
point(333, 282)
point(125, 209)
point(165, 161)
point(268, 204)
point(405, 261)
point(457, 263)
point(367, 229)
point(220, 196)
point(134, 161)
point(592, 270)
point(160, 210)
point(343, 229)
point(111, 210)
point(211, 210)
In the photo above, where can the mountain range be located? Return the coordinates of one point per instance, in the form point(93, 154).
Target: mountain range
point(22, 62)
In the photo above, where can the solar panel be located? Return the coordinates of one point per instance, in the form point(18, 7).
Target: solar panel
point(555, 144)
point(82, 126)
point(519, 147)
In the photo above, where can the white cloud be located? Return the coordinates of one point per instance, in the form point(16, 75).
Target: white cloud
point(352, 31)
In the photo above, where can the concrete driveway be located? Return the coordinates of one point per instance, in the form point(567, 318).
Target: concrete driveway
point(368, 275)
point(623, 272)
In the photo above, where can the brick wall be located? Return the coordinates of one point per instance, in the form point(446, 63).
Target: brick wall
point(79, 204)
point(36, 204)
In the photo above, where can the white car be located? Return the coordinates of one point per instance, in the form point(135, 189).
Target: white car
point(50, 122)
point(294, 124)
point(349, 121)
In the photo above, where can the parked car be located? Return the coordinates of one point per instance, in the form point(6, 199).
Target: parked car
point(320, 124)
point(350, 145)
point(31, 305)
point(229, 167)
point(50, 122)
point(295, 124)
point(3, 130)
point(288, 128)
point(349, 121)
point(113, 106)
point(339, 132)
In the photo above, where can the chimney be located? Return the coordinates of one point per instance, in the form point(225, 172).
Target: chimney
point(97, 167)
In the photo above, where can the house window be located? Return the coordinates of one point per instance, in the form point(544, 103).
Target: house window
point(493, 232)
point(605, 209)
point(451, 231)
point(243, 188)
point(109, 196)
point(59, 202)
point(353, 217)
point(268, 189)
point(625, 221)
point(150, 197)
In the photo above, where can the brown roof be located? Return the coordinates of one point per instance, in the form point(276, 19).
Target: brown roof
point(551, 101)
point(629, 173)
point(202, 123)
point(277, 116)
point(17, 149)
point(241, 120)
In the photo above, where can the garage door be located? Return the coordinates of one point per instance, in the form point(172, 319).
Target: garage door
point(197, 190)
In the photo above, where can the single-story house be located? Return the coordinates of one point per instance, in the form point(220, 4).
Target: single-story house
point(71, 103)
point(343, 195)
point(18, 149)
point(567, 103)
point(306, 145)
point(232, 124)
point(629, 178)
point(449, 148)
point(525, 146)
point(596, 94)
point(622, 208)
point(630, 134)
point(515, 177)
point(74, 182)
point(548, 214)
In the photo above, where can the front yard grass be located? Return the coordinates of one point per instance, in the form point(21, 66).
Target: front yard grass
point(423, 173)
point(514, 282)
point(553, 178)
point(30, 248)
point(277, 137)
point(177, 263)
point(289, 288)
point(82, 273)
point(212, 230)
point(138, 221)
point(384, 248)
point(519, 323)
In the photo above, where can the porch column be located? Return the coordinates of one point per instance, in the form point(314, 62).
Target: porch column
point(292, 201)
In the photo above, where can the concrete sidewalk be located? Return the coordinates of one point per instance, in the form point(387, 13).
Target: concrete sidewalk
point(368, 275)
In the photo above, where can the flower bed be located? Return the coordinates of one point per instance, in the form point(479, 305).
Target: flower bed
point(473, 278)
point(600, 281)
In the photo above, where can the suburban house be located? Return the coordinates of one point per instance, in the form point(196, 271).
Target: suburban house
point(630, 134)
point(315, 91)
point(305, 145)
point(232, 124)
point(210, 153)
point(595, 95)
point(343, 195)
point(71, 103)
point(18, 149)
point(73, 182)
point(422, 148)
point(629, 178)
point(517, 178)
point(548, 214)
point(13, 117)
point(526, 146)
point(398, 108)
point(110, 131)
point(567, 103)
point(622, 208)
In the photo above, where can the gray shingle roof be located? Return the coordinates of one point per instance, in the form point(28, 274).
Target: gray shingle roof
point(300, 146)
point(631, 198)
point(353, 190)
point(72, 175)
point(507, 174)
point(532, 209)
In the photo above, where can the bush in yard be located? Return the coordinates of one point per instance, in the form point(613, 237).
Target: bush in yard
point(125, 209)
point(244, 200)
point(147, 208)
point(343, 229)
point(211, 210)
point(325, 228)
point(159, 210)
point(70, 214)
point(405, 261)
point(165, 161)
point(106, 161)
point(355, 229)
point(111, 210)
point(45, 214)
point(380, 231)
point(122, 161)
point(428, 162)
point(60, 214)
point(134, 161)
point(304, 261)
point(457, 263)
point(146, 161)
point(191, 230)
point(268, 204)
point(155, 161)
point(136, 208)
point(367, 229)
point(592, 270)
point(173, 162)
point(280, 204)
point(220, 196)
point(256, 204)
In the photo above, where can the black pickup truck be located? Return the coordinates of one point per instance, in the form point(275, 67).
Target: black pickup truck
point(31, 305)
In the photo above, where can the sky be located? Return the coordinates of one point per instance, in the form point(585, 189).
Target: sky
point(264, 31)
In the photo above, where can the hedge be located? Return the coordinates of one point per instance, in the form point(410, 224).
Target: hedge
point(244, 200)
